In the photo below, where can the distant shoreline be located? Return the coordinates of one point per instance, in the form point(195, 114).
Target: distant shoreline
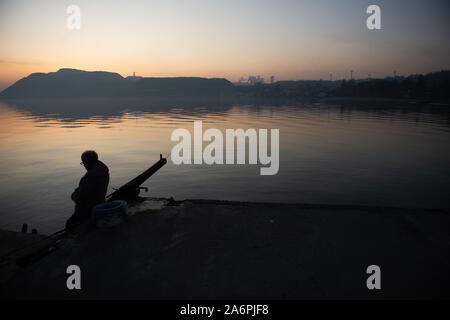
point(235, 99)
point(72, 83)
point(386, 100)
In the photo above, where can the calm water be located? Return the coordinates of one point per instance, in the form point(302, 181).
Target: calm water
point(334, 154)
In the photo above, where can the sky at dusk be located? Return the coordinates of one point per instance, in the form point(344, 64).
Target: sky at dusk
point(289, 39)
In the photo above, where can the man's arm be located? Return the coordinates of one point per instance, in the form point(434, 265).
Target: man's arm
point(75, 195)
point(83, 193)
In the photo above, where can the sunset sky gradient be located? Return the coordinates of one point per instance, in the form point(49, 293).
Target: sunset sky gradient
point(288, 39)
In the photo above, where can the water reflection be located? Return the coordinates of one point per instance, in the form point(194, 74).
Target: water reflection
point(395, 155)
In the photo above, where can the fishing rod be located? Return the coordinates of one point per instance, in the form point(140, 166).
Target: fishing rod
point(132, 188)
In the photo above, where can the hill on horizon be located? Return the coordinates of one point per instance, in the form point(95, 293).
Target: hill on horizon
point(68, 83)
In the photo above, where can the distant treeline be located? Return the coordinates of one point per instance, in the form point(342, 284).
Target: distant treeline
point(431, 86)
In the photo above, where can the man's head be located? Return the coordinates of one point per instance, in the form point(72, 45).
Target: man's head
point(89, 158)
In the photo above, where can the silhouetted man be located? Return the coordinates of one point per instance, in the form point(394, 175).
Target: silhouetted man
point(91, 190)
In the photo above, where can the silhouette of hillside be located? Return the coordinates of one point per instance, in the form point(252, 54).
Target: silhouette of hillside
point(68, 83)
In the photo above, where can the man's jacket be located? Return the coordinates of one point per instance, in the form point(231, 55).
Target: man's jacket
point(93, 186)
